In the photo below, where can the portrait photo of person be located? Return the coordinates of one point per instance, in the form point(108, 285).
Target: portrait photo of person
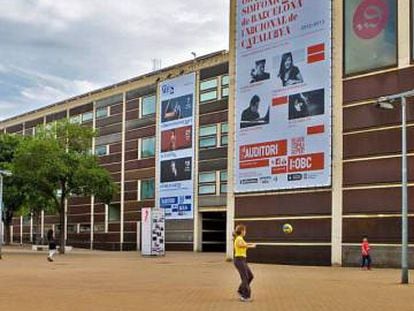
point(176, 170)
point(289, 74)
point(307, 104)
point(258, 73)
point(251, 116)
point(298, 106)
point(172, 111)
point(177, 108)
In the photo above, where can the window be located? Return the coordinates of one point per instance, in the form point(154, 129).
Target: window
point(72, 229)
point(208, 136)
point(84, 228)
point(87, 116)
point(101, 112)
point(225, 86)
point(370, 35)
point(148, 105)
point(208, 90)
point(224, 134)
point(75, 119)
point(114, 212)
point(207, 183)
point(208, 84)
point(147, 190)
point(223, 182)
point(99, 228)
point(147, 147)
point(101, 150)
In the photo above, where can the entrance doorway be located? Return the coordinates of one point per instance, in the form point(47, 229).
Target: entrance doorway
point(214, 232)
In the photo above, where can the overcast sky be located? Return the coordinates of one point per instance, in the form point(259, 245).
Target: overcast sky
point(54, 49)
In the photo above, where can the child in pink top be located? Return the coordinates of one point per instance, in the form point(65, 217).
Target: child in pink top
point(365, 252)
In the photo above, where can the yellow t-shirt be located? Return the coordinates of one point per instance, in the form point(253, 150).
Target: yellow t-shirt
point(239, 251)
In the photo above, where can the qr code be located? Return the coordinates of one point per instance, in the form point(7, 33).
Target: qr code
point(298, 145)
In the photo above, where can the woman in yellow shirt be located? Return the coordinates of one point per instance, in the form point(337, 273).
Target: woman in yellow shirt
point(240, 256)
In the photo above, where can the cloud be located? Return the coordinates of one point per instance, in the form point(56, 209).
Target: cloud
point(56, 49)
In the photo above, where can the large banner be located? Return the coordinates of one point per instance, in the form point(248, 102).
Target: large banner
point(283, 94)
point(176, 147)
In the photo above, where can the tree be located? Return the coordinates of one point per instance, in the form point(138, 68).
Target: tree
point(58, 163)
point(13, 195)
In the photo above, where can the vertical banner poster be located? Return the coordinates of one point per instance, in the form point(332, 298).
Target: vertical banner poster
point(283, 94)
point(176, 147)
point(153, 232)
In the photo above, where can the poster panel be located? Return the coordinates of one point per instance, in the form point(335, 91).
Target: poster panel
point(176, 147)
point(370, 35)
point(283, 95)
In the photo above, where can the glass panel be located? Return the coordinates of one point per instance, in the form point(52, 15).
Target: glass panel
point(87, 116)
point(207, 177)
point(225, 92)
point(84, 228)
point(208, 96)
point(223, 188)
point(208, 130)
point(148, 147)
point(101, 112)
point(75, 119)
point(223, 176)
point(370, 35)
point(225, 80)
point(147, 189)
point(101, 150)
point(224, 127)
point(209, 84)
point(224, 140)
point(208, 142)
point(148, 105)
point(98, 228)
point(114, 213)
point(207, 189)
point(71, 229)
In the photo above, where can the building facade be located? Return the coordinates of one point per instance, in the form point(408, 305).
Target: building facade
point(364, 197)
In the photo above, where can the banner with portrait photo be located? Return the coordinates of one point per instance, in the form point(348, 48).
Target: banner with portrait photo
point(176, 147)
point(283, 95)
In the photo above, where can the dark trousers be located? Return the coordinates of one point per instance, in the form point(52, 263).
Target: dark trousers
point(246, 276)
point(366, 259)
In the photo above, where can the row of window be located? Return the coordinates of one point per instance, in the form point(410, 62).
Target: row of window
point(211, 136)
point(211, 89)
point(209, 183)
point(214, 89)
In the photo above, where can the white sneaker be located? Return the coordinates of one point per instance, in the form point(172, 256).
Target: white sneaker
point(245, 299)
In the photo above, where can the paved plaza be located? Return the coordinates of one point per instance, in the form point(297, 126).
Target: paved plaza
point(85, 280)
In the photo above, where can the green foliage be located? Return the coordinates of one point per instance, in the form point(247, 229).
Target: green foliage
point(57, 163)
point(58, 158)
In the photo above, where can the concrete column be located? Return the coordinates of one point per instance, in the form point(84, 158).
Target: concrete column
point(197, 233)
point(31, 228)
point(11, 234)
point(231, 133)
point(21, 230)
point(42, 225)
point(337, 127)
point(404, 33)
point(65, 225)
point(121, 238)
point(92, 219)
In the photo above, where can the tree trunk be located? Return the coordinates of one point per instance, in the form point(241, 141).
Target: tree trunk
point(62, 224)
point(7, 235)
point(7, 223)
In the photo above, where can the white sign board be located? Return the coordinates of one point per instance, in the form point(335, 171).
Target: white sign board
point(153, 232)
point(283, 94)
